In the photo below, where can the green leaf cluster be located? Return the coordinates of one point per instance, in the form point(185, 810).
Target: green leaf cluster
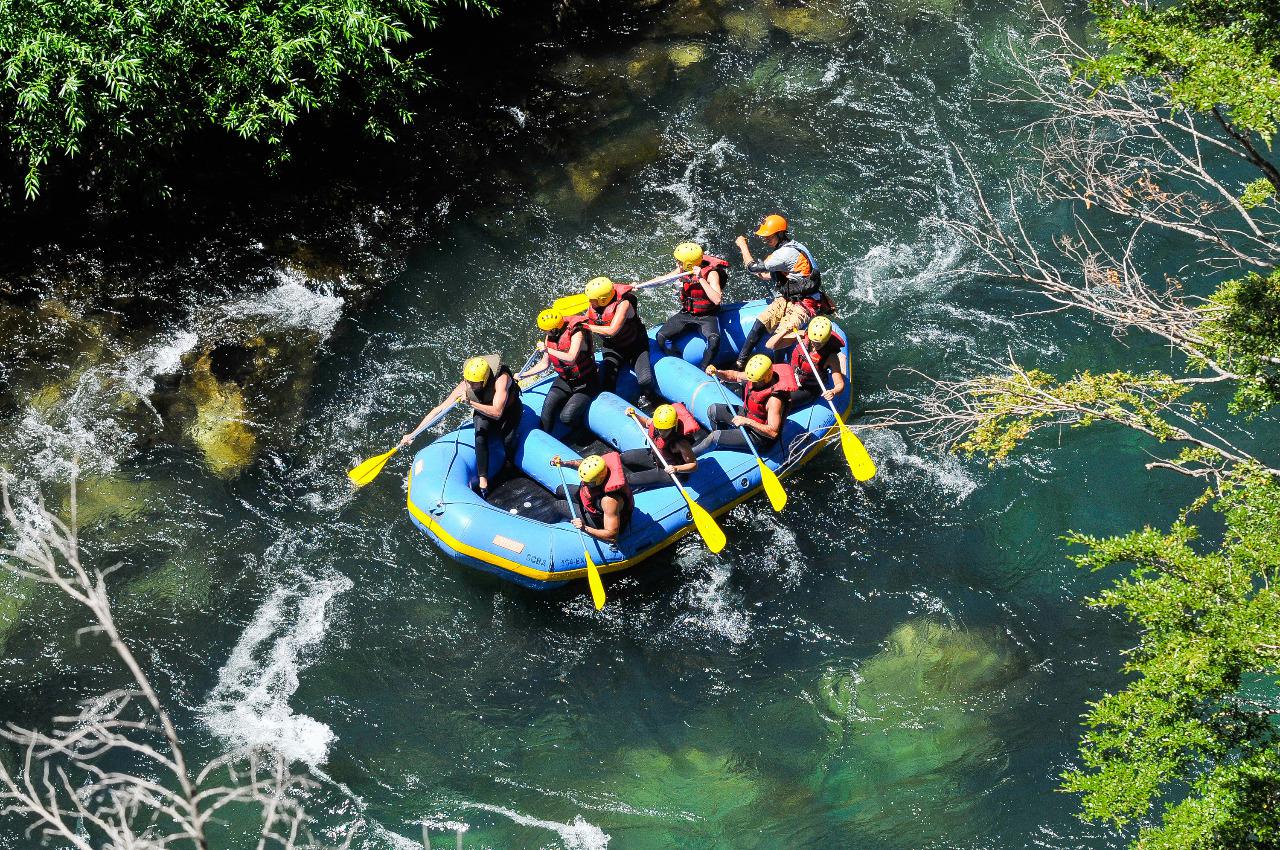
point(1009, 408)
point(1241, 330)
point(1203, 54)
point(1189, 749)
point(118, 80)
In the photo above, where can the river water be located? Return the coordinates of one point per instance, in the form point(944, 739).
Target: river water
point(896, 665)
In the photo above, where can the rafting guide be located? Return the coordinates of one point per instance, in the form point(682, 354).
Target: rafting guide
point(563, 474)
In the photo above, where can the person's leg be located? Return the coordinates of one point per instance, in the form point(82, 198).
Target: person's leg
point(644, 373)
point(709, 327)
point(483, 428)
point(610, 365)
point(805, 395)
point(670, 329)
point(637, 460)
point(794, 318)
point(576, 407)
point(557, 395)
point(766, 321)
point(643, 478)
point(510, 430)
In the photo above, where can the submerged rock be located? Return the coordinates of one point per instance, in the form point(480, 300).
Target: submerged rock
point(686, 54)
point(818, 21)
point(614, 160)
point(100, 500)
point(914, 726)
point(690, 17)
point(748, 28)
point(181, 583)
point(15, 595)
point(220, 427)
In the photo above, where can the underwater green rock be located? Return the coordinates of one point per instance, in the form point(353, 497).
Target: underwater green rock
point(181, 584)
point(912, 725)
point(15, 595)
point(613, 161)
point(817, 21)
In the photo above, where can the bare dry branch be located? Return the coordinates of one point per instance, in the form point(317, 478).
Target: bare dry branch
point(147, 799)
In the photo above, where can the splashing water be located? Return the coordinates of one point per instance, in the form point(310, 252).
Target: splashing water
point(249, 706)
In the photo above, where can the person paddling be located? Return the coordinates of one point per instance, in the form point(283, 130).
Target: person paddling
point(825, 350)
point(491, 391)
point(567, 349)
point(671, 430)
point(794, 273)
point(700, 293)
point(766, 400)
point(613, 313)
point(603, 496)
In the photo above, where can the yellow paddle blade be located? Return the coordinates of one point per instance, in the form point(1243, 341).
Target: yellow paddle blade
point(772, 487)
point(570, 304)
point(860, 463)
point(367, 471)
point(593, 579)
point(712, 533)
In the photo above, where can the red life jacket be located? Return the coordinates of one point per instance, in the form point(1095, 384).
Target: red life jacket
point(632, 332)
point(755, 398)
point(800, 363)
point(686, 426)
point(581, 371)
point(615, 484)
point(818, 304)
point(693, 296)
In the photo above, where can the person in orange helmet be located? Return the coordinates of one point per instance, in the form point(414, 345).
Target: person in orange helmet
point(794, 273)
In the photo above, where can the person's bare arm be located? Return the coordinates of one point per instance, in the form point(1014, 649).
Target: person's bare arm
point(612, 508)
point(688, 461)
point(615, 324)
point(575, 348)
point(713, 286)
point(500, 392)
point(459, 393)
point(772, 426)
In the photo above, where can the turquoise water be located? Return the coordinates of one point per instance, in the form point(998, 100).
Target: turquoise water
point(896, 665)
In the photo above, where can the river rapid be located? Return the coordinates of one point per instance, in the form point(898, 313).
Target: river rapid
point(901, 664)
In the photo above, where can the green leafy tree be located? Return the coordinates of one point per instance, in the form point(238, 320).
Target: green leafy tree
point(1192, 738)
point(118, 80)
point(1164, 138)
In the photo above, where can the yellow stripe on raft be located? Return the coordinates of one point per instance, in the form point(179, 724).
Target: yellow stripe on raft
point(496, 560)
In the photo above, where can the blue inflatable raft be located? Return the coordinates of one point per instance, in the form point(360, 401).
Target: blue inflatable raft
point(517, 533)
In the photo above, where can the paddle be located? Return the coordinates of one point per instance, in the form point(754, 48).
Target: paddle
point(772, 486)
point(712, 534)
point(572, 304)
point(529, 380)
point(860, 463)
point(593, 573)
point(369, 469)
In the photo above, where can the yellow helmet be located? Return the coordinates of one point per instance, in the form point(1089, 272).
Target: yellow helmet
point(772, 224)
point(664, 417)
point(759, 368)
point(688, 255)
point(819, 330)
point(550, 320)
point(592, 469)
point(599, 291)
point(476, 370)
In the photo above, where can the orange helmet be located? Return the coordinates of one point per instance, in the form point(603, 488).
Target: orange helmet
point(772, 225)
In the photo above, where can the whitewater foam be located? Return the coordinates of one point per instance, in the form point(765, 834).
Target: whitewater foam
point(249, 706)
point(290, 304)
point(579, 835)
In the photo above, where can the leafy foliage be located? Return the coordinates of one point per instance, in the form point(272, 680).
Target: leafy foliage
point(1204, 53)
point(1242, 333)
point(1191, 738)
point(117, 79)
point(1009, 408)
